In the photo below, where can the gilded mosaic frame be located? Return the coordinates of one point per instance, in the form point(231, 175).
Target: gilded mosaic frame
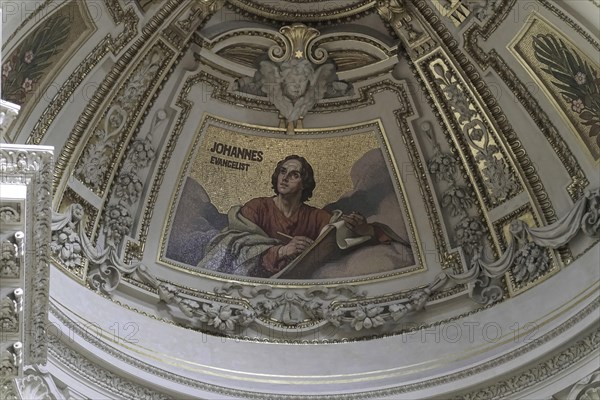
point(209, 120)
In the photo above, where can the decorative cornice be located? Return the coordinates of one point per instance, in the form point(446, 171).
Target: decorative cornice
point(8, 113)
point(541, 372)
point(567, 357)
point(119, 386)
point(307, 10)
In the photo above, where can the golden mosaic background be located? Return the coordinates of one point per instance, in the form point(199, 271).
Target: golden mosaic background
point(331, 159)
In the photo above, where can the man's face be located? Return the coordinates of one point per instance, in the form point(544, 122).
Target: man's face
point(289, 180)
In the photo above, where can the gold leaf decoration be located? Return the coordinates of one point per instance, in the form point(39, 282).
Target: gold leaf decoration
point(244, 55)
point(351, 59)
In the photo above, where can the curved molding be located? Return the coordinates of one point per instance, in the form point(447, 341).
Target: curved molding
point(581, 345)
point(308, 11)
point(99, 376)
point(235, 52)
point(109, 44)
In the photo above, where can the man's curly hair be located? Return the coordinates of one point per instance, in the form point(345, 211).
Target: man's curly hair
point(306, 173)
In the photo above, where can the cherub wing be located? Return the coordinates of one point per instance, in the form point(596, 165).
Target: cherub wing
point(270, 78)
point(270, 84)
point(324, 76)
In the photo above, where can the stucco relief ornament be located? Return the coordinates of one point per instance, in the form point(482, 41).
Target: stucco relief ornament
point(117, 221)
point(526, 254)
point(458, 199)
point(17, 161)
point(469, 234)
point(8, 391)
point(531, 260)
point(224, 317)
point(395, 13)
point(8, 113)
point(497, 176)
point(483, 9)
point(69, 241)
point(65, 243)
point(442, 165)
point(34, 387)
point(107, 267)
point(295, 77)
point(221, 317)
point(141, 80)
point(586, 389)
point(142, 151)
point(367, 316)
point(9, 317)
point(129, 184)
point(128, 187)
point(200, 10)
point(92, 167)
point(469, 230)
point(96, 159)
point(590, 223)
point(9, 362)
point(290, 307)
point(9, 215)
point(9, 259)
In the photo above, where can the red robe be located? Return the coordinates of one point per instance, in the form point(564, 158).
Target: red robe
point(307, 221)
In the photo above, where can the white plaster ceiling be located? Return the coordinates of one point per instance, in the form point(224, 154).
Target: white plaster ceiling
point(68, 117)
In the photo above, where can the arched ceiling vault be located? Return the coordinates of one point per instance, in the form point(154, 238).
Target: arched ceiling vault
point(465, 132)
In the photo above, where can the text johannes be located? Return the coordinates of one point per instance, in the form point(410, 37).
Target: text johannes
point(236, 152)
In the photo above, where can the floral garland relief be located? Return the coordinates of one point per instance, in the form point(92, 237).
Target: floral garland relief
point(237, 306)
point(68, 245)
point(459, 200)
point(93, 165)
point(498, 176)
point(576, 80)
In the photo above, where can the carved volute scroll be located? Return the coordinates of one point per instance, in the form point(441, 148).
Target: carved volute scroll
point(299, 40)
